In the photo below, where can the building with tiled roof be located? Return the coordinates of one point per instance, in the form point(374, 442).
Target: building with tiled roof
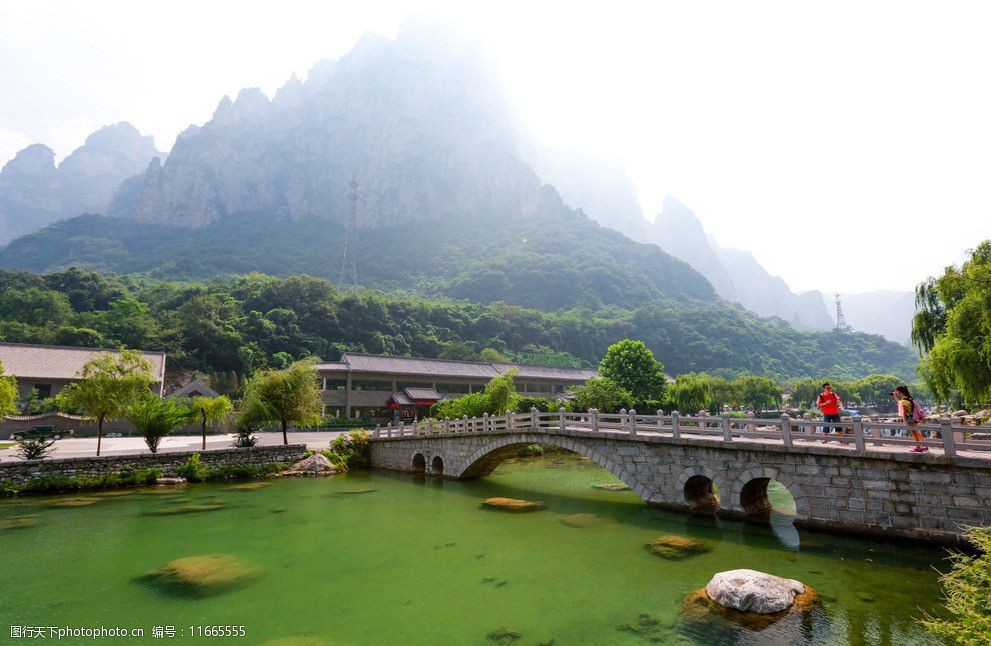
point(50, 368)
point(386, 388)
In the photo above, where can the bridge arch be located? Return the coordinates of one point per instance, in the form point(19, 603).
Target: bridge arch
point(419, 463)
point(437, 466)
point(696, 483)
point(486, 458)
point(749, 493)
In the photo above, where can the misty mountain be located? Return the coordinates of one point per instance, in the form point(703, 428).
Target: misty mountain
point(35, 193)
point(885, 312)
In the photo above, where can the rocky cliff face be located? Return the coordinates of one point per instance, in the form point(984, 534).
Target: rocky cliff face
point(735, 274)
point(29, 192)
point(34, 193)
point(418, 122)
point(93, 172)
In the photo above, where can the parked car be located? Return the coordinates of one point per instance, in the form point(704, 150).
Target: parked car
point(44, 430)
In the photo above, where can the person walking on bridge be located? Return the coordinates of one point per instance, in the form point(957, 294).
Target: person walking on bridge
point(829, 403)
point(907, 409)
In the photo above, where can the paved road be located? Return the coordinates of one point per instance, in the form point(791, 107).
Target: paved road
point(82, 447)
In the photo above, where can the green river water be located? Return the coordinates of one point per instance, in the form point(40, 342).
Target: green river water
point(384, 558)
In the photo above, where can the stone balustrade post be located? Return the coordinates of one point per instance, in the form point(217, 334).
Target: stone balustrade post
point(633, 421)
point(785, 429)
point(622, 418)
point(447, 425)
point(675, 429)
point(430, 426)
point(858, 433)
point(593, 414)
point(876, 431)
point(534, 418)
point(949, 442)
point(474, 423)
point(727, 431)
point(510, 420)
point(560, 418)
point(485, 422)
point(402, 429)
point(660, 420)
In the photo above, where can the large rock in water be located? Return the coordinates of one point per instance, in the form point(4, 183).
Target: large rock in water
point(513, 504)
point(201, 576)
point(753, 591)
point(315, 464)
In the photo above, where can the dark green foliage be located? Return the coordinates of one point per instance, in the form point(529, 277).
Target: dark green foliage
point(349, 449)
point(60, 484)
point(231, 329)
point(194, 469)
point(632, 366)
point(524, 404)
point(604, 395)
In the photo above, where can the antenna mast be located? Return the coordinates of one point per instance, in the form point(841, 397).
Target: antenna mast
point(841, 324)
point(348, 233)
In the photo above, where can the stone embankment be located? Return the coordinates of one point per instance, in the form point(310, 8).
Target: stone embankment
point(24, 471)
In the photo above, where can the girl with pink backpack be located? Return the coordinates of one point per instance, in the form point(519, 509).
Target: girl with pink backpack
point(911, 414)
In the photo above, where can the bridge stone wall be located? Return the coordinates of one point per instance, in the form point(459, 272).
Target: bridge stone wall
point(927, 497)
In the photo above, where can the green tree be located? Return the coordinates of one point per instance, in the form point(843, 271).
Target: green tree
point(724, 393)
point(805, 392)
point(8, 393)
point(493, 355)
point(952, 327)
point(602, 394)
point(690, 393)
point(758, 393)
point(34, 306)
point(129, 322)
point(499, 396)
point(210, 409)
point(155, 418)
point(632, 366)
point(289, 396)
point(501, 392)
point(111, 382)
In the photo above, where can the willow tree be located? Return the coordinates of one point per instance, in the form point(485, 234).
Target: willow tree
point(289, 396)
point(952, 327)
point(210, 409)
point(690, 393)
point(111, 383)
point(8, 392)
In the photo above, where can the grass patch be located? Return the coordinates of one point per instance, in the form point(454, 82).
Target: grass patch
point(62, 484)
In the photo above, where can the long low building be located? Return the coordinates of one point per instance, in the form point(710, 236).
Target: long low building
point(400, 388)
point(50, 368)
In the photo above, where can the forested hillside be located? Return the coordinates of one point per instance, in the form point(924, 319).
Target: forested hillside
point(242, 324)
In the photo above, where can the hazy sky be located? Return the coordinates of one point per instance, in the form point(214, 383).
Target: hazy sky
point(846, 144)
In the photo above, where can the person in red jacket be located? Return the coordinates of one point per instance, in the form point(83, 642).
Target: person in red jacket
point(829, 403)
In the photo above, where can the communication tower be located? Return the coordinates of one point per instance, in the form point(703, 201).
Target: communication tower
point(841, 324)
point(347, 257)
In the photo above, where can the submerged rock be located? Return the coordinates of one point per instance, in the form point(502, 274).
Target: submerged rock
point(348, 492)
point(753, 591)
point(113, 493)
point(18, 522)
point(249, 486)
point(648, 627)
point(187, 509)
point(513, 504)
point(504, 636)
point(81, 501)
point(611, 486)
point(201, 576)
point(582, 520)
point(674, 547)
point(171, 482)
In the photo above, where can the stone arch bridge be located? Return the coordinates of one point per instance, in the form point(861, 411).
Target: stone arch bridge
point(867, 483)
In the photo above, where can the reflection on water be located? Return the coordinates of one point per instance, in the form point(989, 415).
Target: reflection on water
point(414, 560)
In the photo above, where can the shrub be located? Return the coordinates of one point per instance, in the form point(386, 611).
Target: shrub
point(245, 438)
point(350, 449)
point(58, 484)
point(193, 469)
point(35, 445)
point(524, 404)
point(967, 591)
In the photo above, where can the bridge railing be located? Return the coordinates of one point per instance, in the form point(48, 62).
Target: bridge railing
point(860, 433)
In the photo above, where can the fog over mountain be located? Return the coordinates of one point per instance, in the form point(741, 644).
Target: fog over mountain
point(35, 193)
point(888, 313)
